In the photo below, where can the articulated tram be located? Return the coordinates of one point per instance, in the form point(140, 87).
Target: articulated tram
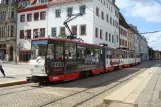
point(57, 59)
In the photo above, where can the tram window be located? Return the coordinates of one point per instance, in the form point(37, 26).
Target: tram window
point(38, 50)
point(50, 51)
point(93, 53)
point(81, 51)
point(70, 51)
point(59, 51)
point(109, 52)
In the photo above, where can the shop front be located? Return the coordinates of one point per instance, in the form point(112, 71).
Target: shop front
point(24, 56)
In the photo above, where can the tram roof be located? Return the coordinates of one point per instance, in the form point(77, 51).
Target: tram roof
point(67, 40)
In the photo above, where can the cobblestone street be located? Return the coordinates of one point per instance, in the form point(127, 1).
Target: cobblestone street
point(87, 92)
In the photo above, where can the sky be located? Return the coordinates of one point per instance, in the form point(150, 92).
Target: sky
point(146, 15)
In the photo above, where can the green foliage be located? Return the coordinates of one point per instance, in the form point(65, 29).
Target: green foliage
point(62, 35)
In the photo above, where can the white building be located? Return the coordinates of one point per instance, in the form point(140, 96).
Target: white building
point(141, 45)
point(99, 24)
point(144, 49)
point(30, 19)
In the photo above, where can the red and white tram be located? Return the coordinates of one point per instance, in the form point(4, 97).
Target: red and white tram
point(57, 59)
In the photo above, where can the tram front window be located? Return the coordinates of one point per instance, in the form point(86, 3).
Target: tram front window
point(38, 49)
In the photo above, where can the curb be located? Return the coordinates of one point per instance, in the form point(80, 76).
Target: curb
point(13, 83)
point(106, 101)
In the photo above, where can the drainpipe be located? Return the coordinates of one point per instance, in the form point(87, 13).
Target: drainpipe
point(16, 53)
point(47, 11)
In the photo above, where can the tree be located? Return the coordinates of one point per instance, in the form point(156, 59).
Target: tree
point(62, 35)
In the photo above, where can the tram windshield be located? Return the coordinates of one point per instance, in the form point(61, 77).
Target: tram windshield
point(38, 49)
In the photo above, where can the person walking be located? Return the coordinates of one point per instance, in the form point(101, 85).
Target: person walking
point(1, 68)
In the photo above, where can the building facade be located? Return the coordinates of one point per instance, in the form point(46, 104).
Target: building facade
point(45, 19)
point(8, 30)
point(32, 22)
point(136, 41)
point(140, 45)
point(130, 39)
point(144, 54)
point(123, 32)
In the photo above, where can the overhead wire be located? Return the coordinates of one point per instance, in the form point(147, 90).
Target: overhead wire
point(151, 32)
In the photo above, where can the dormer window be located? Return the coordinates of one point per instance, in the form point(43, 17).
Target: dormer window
point(42, 1)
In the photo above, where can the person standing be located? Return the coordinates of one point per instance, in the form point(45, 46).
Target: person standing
point(1, 68)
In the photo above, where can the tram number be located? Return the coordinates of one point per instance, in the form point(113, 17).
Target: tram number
point(58, 64)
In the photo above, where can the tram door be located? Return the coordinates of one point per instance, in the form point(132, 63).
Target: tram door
point(54, 62)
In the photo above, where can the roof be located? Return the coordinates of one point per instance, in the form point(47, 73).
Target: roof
point(122, 21)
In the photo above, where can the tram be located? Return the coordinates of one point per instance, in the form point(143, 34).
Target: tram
point(58, 59)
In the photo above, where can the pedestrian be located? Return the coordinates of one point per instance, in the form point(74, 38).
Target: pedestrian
point(1, 68)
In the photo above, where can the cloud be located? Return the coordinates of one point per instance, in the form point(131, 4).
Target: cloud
point(150, 10)
point(154, 40)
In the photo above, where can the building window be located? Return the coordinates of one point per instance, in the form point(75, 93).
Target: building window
point(42, 32)
point(111, 20)
point(106, 36)
point(54, 32)
point(100, 34)
point(12, 30)
point(97, 11)
point(109, 37)
point(22, 18)
point(26, 3)
point(107, 5)
point(96, 32)
point(12, 13)
point(57, 12)
point(117, 38)
point(36, 16)
point(8, 31)
point(62, 30)
point(42, 1)
point(74, 30)
point(102, 15)
point(21, 34)
point(113, 23)
point(35, 33)
point(83, 29)
point(69, 11)
point(28, 34)
point(112, 38)
point(42, 15)
point(29, 17)
point(107, 18)
point(82, 9)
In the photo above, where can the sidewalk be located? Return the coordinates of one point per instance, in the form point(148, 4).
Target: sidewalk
point(15, 74)
point(142, 91)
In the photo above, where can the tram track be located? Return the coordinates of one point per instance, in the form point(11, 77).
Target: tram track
point(13, 89)
point(107, 82)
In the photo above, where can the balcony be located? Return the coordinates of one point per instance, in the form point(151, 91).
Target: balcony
point(3, 39)
point(9, 20)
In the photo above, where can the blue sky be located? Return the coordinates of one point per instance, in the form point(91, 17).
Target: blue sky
point(146, 15)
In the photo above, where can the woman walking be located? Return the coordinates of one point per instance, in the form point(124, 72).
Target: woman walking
point(1, 68)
